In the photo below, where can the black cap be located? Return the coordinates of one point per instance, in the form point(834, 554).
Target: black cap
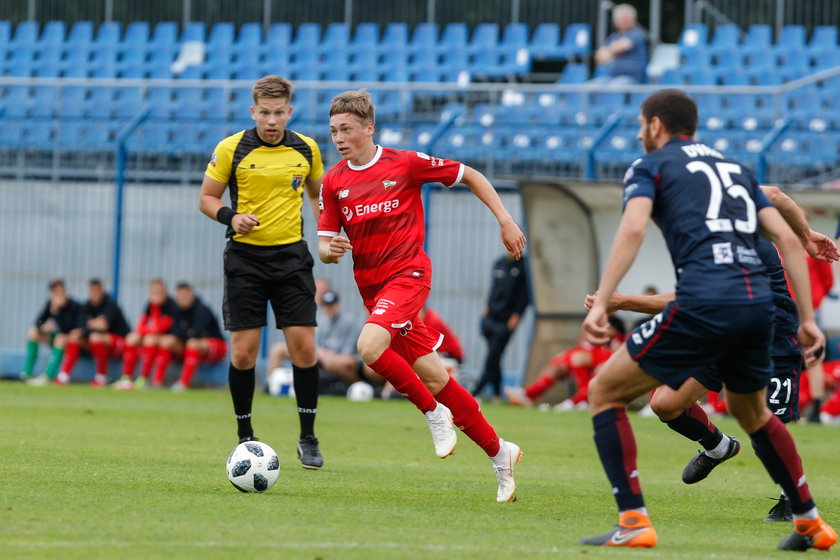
point(329, 298)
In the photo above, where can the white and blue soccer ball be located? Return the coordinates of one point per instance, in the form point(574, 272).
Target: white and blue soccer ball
point(281, 382)
point(253, 467)
point(360, 392)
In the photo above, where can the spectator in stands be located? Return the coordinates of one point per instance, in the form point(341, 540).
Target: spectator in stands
point(625, 51)
point(195, 336)
point(101, 331)
point(143, 341)
point(506, 303)
point(335, 338)
point(54, 323)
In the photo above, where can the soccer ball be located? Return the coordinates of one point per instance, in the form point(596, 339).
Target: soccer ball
point(281, 382)
point(360, 392)
point(253, 467)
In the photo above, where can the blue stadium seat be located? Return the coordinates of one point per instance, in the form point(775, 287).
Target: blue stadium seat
point(425, 40)
point(38, 134)
point(160, 102)
point(137, 33)
point(577, 41)
point(5, 31)
point(485, 63)
point(394, 60)
point(276, 62)
point(365, 58)
point(365, 74)
point(81, 34)
point(366, 37)
point(73, 102)
point(759, 39)
point(108, 35)
point(514, 36)
point(335, 62)
point(693, 37)
point(26, 34)
point(697, 59)
point(791, 38)
point(194, 31)
point(454, 36)
point(16, 102)
point(250, 35)
point(165, 35)
point(824, 38)
point(826, 59)
point(574, 73)
point(485, 37)
point(280, 34)
point(672, 77)
point(395, 37)
point(53, 34)
point(336, 36)
point(222, 34)
point(307, 37)
point(725, 39)
point(21, 63)
point(546, 41)
point(128, 102)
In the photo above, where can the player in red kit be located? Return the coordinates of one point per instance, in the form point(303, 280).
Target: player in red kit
point(374, 195)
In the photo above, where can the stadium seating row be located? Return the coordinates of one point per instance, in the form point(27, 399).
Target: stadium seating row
point(758, 38)
point(427, 54)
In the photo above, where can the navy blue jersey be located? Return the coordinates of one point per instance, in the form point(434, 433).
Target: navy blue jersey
point(786, 318)
point(706, 205)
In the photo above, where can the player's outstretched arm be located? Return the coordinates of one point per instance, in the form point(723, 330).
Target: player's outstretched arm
point(512, 237)
point(818, 245)
point(774, 228)
point(210, 203)
point(625, 247)
point(332, 248)
point(629, 302)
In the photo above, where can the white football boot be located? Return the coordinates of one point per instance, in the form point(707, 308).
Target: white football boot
point(503, 463)
point(443, 431)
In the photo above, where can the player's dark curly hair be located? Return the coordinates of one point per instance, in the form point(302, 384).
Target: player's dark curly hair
point(676, 110)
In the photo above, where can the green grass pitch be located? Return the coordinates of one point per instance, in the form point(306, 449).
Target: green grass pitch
point(103, 474)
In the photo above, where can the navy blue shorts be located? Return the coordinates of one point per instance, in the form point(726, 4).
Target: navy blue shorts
point(783, 390)
point(719, 345)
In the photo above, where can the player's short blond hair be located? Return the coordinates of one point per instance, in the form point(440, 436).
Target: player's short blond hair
point(272, 87)
point(356, 103)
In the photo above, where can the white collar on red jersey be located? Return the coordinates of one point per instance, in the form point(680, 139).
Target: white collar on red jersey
point(371, 163)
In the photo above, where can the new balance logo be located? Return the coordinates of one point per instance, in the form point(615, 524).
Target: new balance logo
point(343, 193)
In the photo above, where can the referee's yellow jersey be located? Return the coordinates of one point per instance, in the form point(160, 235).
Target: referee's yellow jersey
point(267, 180)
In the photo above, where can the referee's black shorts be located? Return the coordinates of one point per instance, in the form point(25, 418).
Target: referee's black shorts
point(256, 275)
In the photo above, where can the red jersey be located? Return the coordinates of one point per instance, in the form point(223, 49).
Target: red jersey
point(379, 207)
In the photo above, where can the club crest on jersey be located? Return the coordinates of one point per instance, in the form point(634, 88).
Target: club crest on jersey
point(388, 183)
point(296, 181)
point(213, 160)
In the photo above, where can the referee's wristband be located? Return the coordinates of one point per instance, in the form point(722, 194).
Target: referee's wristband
point(225, 215)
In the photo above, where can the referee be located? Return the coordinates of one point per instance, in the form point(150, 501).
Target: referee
point(267, 169)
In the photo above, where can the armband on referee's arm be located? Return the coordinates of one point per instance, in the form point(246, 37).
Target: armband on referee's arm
point(225, 215)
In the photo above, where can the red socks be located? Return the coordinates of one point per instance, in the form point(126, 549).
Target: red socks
point(398, 373)
point(147, 354)
point(130, 355)
point(164, 356)
point(539, 386)
point(71, 355)
point(192, 358)
point(468, 417)
point(100, 357)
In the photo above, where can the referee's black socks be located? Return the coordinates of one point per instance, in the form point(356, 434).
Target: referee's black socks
point(306, 380)
point(242, 382)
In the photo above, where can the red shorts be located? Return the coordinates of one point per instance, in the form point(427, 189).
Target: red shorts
point(396, 309)
point(216, 350)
